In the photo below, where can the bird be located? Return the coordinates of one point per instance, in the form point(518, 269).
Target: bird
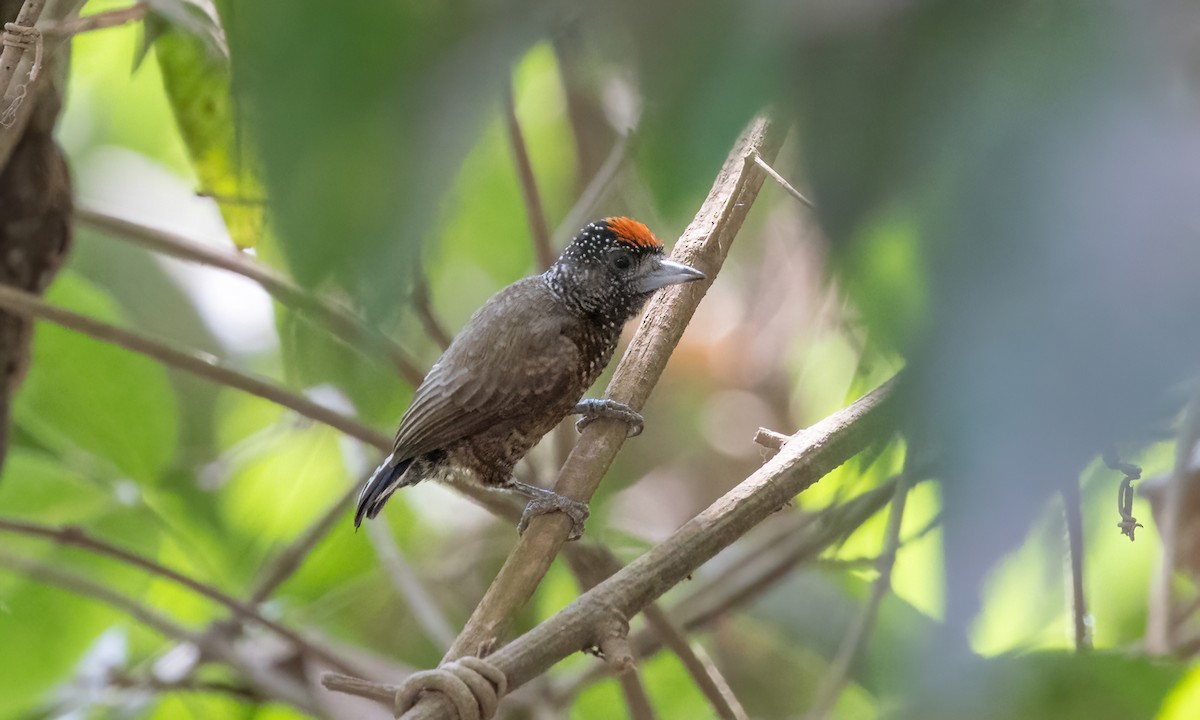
point(522, 364)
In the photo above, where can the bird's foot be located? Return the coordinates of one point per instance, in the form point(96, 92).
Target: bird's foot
point(593, 409)
point(542, 501)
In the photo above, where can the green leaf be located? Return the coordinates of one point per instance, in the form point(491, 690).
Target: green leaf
point(92, 396)
point(363, 125)
point(38, 486)
point(195, 75)
point(45, 632)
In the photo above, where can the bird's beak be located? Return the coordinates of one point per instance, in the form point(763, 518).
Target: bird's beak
point(667, 272)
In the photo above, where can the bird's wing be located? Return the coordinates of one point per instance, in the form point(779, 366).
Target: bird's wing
point(510, 360)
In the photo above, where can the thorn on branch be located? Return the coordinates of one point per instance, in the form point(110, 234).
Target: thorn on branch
point(770, 439)
point(613, 643)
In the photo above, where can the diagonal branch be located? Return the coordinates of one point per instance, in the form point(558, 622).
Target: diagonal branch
point(76, 537)
point(803, 460)
point(703, 245)
point(202, 365)
point(265, 679)
point(101, 20)
point(273, 573)
point(340, 320)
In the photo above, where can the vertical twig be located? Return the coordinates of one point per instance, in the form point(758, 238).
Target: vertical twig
point(1159, 638)
point(1073, 514)
point(538, 230)
point(839, 669)
point(423, 305)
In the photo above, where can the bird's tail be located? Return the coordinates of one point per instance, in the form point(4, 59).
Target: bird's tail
point(386, 479)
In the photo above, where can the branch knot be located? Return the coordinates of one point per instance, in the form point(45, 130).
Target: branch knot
point(612, 641)
point(472, 685)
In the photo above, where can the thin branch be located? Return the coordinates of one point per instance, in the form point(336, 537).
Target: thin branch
point(705, 674)
point(201, 365)
point(281, 567)
point(243, 693)
point(100, 20)
point(1073, 517)
point(703, 245)
point(404, 579)
point(271, 684)
point(808, 457)
point(539, 233)
point(341, 321)
point(423, 306)
point(76, 537)
point(856, 637)
point(79, 585)
point(782, 182)
point(1159, 639)
point(636, 699)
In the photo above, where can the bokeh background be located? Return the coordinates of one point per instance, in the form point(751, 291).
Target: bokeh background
point(1007, 204)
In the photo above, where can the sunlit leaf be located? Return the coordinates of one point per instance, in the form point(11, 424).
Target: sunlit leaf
point(196, 79)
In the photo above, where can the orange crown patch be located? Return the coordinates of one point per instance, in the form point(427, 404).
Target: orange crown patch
point(632, 232)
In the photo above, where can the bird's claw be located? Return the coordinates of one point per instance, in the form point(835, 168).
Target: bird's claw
point(593, 409)
point(553, 502)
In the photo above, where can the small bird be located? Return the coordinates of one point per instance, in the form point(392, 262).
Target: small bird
point(522, 364)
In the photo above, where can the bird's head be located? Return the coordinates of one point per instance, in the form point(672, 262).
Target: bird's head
point(612, 267)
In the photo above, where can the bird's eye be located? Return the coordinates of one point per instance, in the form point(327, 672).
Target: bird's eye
point(620, 260)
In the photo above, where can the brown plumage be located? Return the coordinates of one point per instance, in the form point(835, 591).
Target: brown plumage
point(522, 363)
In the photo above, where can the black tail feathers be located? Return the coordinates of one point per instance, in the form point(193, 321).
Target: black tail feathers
point(385, 481)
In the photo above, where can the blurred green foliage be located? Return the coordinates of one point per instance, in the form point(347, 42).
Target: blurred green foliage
point(1005, 207)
